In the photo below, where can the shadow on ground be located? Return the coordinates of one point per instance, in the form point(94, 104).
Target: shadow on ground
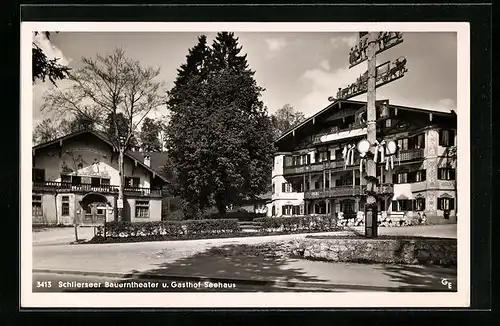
point(417, 278)
point(259, 273)
point(267, 272)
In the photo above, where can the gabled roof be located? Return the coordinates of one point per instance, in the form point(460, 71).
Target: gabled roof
point(103, 138)
point(157, 160)
point(334, 105)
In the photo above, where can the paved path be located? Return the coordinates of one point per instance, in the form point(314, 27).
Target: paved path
point(61, 235)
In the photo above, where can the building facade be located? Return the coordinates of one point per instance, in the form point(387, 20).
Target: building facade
point(75, 178)
point(311, 176)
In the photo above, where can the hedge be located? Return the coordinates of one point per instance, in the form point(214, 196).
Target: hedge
point(168, 229)
point(241, 216)
point(322, 223)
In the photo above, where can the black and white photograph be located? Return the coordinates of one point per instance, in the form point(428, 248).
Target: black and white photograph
point(236, 165)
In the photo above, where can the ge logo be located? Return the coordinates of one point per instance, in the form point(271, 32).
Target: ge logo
point(447, 283)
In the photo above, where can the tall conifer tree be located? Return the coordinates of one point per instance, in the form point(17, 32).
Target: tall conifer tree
point(220, 138)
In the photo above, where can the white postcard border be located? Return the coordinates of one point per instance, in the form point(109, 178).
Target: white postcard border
point(461, 298)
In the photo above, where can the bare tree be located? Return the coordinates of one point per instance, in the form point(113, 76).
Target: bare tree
point(110, 86)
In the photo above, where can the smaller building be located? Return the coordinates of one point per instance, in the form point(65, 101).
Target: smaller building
point(76, 178)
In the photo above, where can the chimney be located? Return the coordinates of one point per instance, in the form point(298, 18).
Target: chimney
point(147, 160)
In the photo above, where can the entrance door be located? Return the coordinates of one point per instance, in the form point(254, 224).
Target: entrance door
point(94, 213)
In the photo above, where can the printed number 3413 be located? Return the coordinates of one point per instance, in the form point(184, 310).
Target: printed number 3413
point(45, 284)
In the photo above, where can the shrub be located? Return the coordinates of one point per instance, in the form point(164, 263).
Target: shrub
point(168, 229)
point(242, 216)
point(298, 223)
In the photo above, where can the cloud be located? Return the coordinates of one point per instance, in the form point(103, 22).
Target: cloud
point(446, 104)
point(323, 84)
point(343, 41)
point(275, 44)
point(325, 64)
point(50, 50)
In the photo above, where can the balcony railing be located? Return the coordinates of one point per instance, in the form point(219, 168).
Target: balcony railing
point(345, 191)
point(318, 167)
point(56, 186)
point(411, 154)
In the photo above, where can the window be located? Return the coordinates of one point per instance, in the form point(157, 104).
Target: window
point(388, 123)
point(346, 181)
point(356, 181)
point(418, 141)
point(38, 175)
point(286, 187)
point(447, 138)
point(446, 174)
point(338, 154)
point(76, 181)
point(100, 211)
point(306, 159)
point(446, 203)
point(141, 208)
point(288, 161)
point(318, 185)
point(65, 206)
point(400, 178)
point(287, 210)
point(273, 211)
point(347, 207)
point(36, 203)
point(95, 182)
point(86, 180)
point(402, 205)
point(323, 156)
point(419, 176)
point(419, 204)
point(297, 187)
point(295, 160)
point(65, 178)
point(403, 144)
point(132, 182)
point(274, 189)
point(105, 182)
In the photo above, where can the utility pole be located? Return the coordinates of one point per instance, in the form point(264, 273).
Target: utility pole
point(371, 222)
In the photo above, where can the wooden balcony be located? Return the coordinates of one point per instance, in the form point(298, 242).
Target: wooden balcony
point(411, 154)
point(55, 186)
point(319, 167)
point(345, 191)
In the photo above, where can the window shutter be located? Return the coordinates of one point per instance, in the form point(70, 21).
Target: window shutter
point(452, 203)
point(337, 183)
point(452, 138)
point(424, 172)
point(423, 204)
point(394, 178)
point(440, 137)
point(394, 206)
point(357, 181)
point(452, 174)
point(413, 205)
point(440, 203)
point(282, 187)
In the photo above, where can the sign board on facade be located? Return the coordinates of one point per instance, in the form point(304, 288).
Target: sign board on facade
point(119, 203)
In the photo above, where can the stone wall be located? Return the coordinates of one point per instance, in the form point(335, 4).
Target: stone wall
point(421, 251)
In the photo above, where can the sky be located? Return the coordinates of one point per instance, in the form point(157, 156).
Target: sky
point(301, 69)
